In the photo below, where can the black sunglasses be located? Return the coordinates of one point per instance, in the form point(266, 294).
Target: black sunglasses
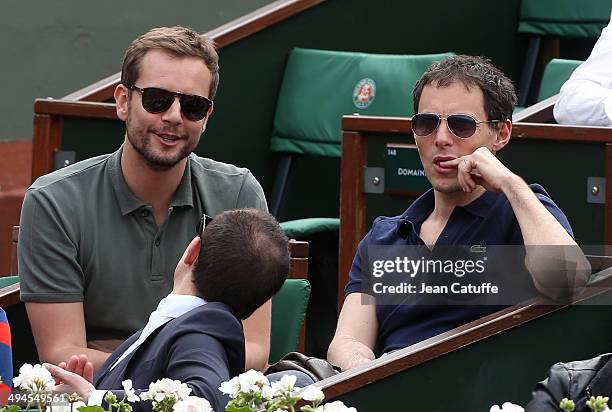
point(156, 100)
point(461, 125)
point(204, 221)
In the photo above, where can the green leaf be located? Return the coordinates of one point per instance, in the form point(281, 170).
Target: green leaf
point(231, 408)
point(94, 408)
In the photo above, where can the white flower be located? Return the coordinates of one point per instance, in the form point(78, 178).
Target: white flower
point(336, 406)
point(34, 378)
point(506, 407)
point(230, 387)
point(164, 388)
point(267, 393)
point(284, 385)
point(129, 391)
point(312, 394)
point(192, 404)
point(252, 381)
point(65, 408)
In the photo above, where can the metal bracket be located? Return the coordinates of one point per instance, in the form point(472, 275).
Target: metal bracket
point(374, 180)
point(63, 158)
point(596, 189)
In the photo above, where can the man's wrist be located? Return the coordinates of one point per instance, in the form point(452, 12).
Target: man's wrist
point(513, 185)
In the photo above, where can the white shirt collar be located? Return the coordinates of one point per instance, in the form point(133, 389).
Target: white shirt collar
point(174, 305)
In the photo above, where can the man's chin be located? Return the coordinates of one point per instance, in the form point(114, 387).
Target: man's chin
point(447, 188)
point(163, 163)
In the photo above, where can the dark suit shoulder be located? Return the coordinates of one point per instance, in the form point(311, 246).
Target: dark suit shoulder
point(214, 318)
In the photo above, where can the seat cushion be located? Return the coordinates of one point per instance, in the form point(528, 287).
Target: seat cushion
point(564, 18)
point(288, 311)
point(556, 73)
point(302, 228)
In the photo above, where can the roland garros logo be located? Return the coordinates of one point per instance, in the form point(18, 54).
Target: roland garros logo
point(364, 93)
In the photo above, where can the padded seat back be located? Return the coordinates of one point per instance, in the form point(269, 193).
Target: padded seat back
point(557, 72)
point(320, 86)
point(564, 18)
point(288, 311)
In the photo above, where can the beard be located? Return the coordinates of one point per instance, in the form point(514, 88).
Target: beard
point(448, 188)
point(141, 141)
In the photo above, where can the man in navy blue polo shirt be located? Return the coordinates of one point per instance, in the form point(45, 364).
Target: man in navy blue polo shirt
point(463, 105)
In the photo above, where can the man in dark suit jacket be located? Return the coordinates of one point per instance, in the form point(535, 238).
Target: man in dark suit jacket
point(239, 261)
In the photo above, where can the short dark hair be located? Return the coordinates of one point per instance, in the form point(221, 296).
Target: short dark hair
point(244, 260)
point(178, 41)
point(498, 90)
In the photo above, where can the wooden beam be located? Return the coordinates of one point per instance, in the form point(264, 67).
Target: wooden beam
point(608, 200)
point(352, 203)
point(541, 112)
point(75, 109)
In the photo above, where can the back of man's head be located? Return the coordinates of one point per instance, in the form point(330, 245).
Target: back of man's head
point(244, 260)
point(473, 71)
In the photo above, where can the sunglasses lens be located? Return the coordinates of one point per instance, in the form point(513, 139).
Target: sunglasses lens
point(461, 125)
point(194, 107)
point(156, 100)
point(424, 124)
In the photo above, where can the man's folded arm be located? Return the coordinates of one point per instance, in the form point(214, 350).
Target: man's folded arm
point(59, 332)
point(353, 343)
point(554, 260)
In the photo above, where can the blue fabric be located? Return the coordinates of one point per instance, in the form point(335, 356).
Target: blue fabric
point(6, 359)
point(488, 220)
point(301, 379)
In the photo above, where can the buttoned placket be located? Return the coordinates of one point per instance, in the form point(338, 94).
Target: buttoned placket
point(155, 240)
point(157, 249)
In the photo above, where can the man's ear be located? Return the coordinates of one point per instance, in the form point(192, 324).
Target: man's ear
point(503, 135)
point(122, 99)
point(210, 112)
point(192, 252)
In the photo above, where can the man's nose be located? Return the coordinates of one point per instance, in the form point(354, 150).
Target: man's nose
point(173, 114)
point(442, 135)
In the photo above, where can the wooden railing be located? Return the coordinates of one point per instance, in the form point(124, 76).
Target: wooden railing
point(541, 112)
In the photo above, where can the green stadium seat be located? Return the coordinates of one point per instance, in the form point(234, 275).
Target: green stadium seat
point(557, 72)
point(561, 19)
point(288, 311)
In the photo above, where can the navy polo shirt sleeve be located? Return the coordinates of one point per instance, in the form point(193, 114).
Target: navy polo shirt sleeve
point(355, 278)
point(552, 207)
point(355, 283)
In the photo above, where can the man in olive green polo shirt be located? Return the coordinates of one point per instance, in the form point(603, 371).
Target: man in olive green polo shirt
point(99, 240)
